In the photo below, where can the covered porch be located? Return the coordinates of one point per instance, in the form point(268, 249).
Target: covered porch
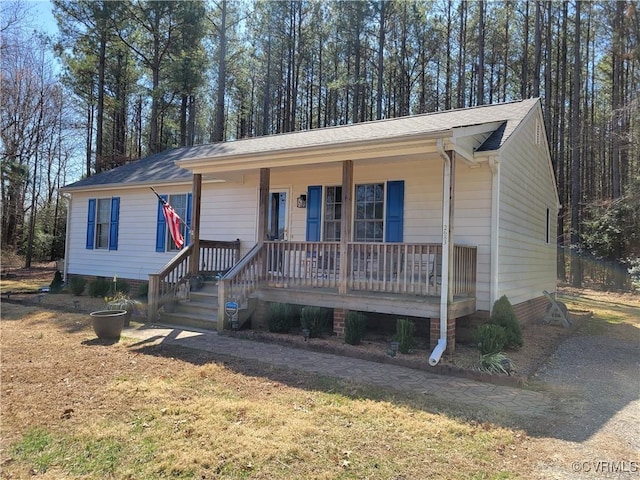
point(388, 275)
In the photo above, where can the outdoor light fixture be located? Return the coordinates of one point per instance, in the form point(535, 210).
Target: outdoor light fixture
point(302, 201)
point(393, 348)
point(305, 334)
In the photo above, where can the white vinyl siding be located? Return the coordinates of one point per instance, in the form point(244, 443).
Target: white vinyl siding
point(527, 263)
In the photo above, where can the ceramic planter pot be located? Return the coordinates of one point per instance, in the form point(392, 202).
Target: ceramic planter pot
point(108, 324)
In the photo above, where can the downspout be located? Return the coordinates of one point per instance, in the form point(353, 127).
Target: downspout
point(66, 240)
point(447, 236)
point(494, 165)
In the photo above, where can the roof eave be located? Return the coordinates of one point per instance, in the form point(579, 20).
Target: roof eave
point(317, 154)
point(123, 186)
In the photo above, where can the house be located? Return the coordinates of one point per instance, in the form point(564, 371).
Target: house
point(436, 215)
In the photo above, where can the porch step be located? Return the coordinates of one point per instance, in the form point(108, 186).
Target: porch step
point(200, 311)
point(193, 320)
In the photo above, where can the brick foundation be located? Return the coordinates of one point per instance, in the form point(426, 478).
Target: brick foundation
point(339, 314)
point(133, 284)
point(434, 334)
point(532, 311)
point(529, 312)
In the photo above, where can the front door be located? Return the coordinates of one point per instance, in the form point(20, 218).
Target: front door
point(278, 219)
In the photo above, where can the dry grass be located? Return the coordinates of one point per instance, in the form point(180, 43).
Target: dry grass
point(612, 314)
point(26, 281)
point(74, 407)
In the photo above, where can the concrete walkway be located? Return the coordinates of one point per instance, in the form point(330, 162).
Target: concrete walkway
point(509, 400)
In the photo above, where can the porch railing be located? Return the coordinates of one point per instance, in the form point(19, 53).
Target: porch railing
point(241, 281)
point(214, 257)
point(405, 268)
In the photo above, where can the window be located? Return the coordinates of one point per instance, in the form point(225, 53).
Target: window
point(103, 218)
point(181, 203)
point(102, 223)
point(378, 216)
point(332, 214)
point(548, 234)
point(369, 213)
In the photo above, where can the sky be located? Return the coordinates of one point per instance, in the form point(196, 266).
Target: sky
point(41, 16)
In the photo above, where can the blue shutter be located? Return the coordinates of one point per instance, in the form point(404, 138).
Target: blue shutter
point(113, 225)
point(394, 223)
point(314, 213)
point(91, 223)
point(187, 231)
point(161, 229)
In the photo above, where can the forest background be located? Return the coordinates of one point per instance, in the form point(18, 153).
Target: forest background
point(121, 80)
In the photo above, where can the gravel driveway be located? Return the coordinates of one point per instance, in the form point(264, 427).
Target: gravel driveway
point(595, 381)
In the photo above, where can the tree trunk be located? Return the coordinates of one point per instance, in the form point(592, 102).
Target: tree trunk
point(537, 50)
point(576, 264)
point(381, 34)
point(100, 109)
point(480, 78)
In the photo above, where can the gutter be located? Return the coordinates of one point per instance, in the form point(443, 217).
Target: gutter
point(447, 236)
point(494, 165)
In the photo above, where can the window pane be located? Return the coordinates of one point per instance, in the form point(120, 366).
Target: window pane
point(379, 192)
point(329, 213)
point(378, 211)
point(104, 210)
point(370, 213)
point(378, 233)
point(330, 195)
point(103, 219)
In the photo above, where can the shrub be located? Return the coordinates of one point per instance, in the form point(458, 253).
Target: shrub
point(143, 290)
point(355, 324)
point(122, 286)
point(280, 317)
point(56, 284)
point(491, 338)
point(77, 284)
point(405, 329)
point(495, 363)
point(314, 319)
point(504, 316)
point(99, 287)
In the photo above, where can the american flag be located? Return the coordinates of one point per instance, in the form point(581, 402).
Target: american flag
point(173, 221)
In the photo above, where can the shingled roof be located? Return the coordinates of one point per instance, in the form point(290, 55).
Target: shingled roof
point(161, 167)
